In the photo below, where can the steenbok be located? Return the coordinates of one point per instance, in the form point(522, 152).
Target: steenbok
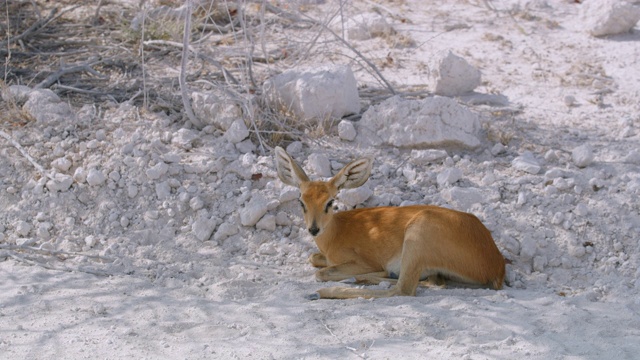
point(407, 243)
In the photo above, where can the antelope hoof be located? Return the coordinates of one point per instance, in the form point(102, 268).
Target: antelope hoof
point(351, 280)
point(314, 296)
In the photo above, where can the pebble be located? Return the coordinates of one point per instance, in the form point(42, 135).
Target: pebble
point(90, 240)
point(163, 190)
point(425, 157)
point(92, 144)
point(582, 155)
point(95, 177)
point(132, 191)
point(268, 222)
point(353, 197)
point(464, 198)
point(319, 165)
point(196, 203)
point(569, 100)
point(282, 219)
point(498, 149)
point(237, 132)
point(346, 130)
point(101, 135)
point(156, 171)
point(60, 182)
point(80, 176)
point(62, 164)
point(449, 176)
point(23, 228)
point(527, 163)
point(289, 194)
point(225, 230)
point(253, 211)
point(203, 227)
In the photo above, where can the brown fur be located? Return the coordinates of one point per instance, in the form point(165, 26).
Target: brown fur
point(419, 241)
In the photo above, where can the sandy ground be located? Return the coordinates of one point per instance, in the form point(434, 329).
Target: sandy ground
point(133, 280)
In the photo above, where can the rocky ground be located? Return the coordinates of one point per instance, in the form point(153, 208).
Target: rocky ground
point(129, 231)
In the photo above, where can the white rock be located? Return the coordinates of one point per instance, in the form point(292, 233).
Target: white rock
point(246, 146)
point(46, 107)
point(527, 163)
point(430, 122)
point(92, 144)
point(463, 198)
point(449, 176)
point(582, 155)
point(267, 249)
point(196, 203)
point(498, 149)
point(203, 227)
point(216, 109)
point(253, 211)
point(114, 175)
point(609, 17)
point(17, 93)
point(237, 132)
point(184, 138)
point(101, 135)
point(577, 250)
point(282, 219)
point(268, 222)
point(451, 75)
point(289, 194)
point(488, 180)
point(90, 241)
point(163, 190)
point(62, 164)
point(528, 248)
point(363, 26)
point(315, 93)
point(60, 182)
point(225, 230)
point(95, 177)
point(353, 197)
point(425, 157)
point(346, 130)
point(319, 164)
point(132, 191)
point(294, 148)
point(79, 175)
point(569, 100)
point(157, 170)
point(633, 157)
point(23, 228)
point(25, 241)
point(581, 210)
point(539, 263)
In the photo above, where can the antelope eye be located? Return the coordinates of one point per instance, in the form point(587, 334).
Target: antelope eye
point(304, 209)
point(329, 205)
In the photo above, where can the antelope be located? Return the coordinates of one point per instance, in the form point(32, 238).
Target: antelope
point(402, 245)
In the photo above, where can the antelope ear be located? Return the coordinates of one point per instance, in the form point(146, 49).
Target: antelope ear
point(288, 171)
point(354, 174)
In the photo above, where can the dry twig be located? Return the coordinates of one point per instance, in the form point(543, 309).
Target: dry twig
point(49, 80)
point(183, 70)
point(26, 155)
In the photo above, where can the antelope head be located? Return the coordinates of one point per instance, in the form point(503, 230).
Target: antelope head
point(317, 197)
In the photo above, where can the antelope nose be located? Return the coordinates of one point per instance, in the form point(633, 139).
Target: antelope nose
point(314, 230)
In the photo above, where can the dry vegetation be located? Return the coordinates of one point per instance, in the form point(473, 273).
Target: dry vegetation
point(113, 51)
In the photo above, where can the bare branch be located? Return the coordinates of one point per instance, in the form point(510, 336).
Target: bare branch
point(184, 90)
point(26, 155)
